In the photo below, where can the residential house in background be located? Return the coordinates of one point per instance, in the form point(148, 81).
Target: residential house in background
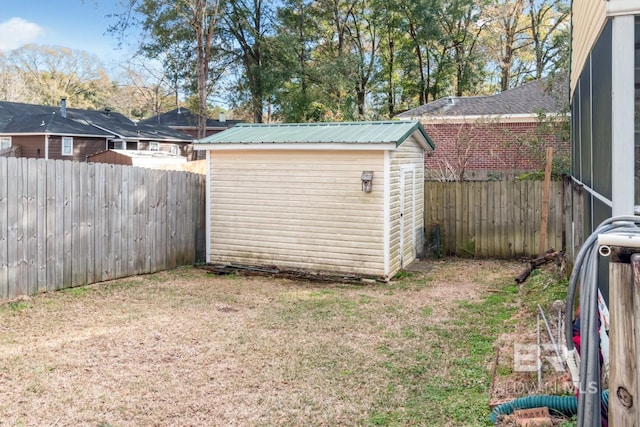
point(184, 120)
point(483, 137)
point(51, 132)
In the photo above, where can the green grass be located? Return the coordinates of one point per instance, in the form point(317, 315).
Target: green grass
point(79, 291)
point(543, 287)
point(19, 305)
point(447, 383)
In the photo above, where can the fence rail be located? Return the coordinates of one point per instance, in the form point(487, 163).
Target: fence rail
point(65, 224)
point(493, 218)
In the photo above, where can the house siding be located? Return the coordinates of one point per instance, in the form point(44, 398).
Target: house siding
point(297, 209)
point(29, 145)
point(82, 148)
point(588, 20)
point(408, 155)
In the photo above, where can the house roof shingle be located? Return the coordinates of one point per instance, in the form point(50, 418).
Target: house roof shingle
point(530, 98)
point(184, 118)
point(29, 118)
point(51, 124)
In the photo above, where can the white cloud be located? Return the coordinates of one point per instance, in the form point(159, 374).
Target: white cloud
point(17, 32)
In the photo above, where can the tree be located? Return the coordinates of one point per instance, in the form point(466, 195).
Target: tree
point(12, 87)
point(172, 26)
point(333, 57)
point(296, 96)
point(391, 22)
point(52, 72)
point(364, 44)
point(302, 60)
point(549, 33)
point(424, 33)
point(510, 31)
point(145, 90)
point(462, 30)
point(461, 147)
point(245, 21)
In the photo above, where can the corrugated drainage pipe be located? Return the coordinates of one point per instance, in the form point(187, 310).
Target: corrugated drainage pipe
point(562, 405)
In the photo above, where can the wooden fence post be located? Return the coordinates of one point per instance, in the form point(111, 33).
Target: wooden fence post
point(624, 291)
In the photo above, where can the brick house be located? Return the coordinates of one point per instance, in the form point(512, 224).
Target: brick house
point(495, 136)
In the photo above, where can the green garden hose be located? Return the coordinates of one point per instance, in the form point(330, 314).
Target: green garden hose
point(560, 405)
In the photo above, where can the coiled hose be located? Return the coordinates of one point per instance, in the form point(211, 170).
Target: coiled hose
point(585, 276)
point(559, 405)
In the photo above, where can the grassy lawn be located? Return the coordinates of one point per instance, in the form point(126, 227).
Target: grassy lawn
point(188, 348)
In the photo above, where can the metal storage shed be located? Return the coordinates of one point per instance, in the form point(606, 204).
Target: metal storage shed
point(343, 198)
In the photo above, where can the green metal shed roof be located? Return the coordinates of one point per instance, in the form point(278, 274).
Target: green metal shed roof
point(383, 132)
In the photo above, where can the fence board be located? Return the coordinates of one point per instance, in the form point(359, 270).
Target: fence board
point(78, 260)
point(68, 220)
point(171, 219)
point(41, 231)
point(128, 229)
point(483, 242)
point(4, 228)
point(141, 196)
point(510, 219)
point(99, 221)
point(30, 267)
point(153, 227)
point(163, 244)
point(68, 224)
point(88, 195)
point(180, 224)
point(112, 227)
point(557, 233)
point(531, 226)
point(59, 237)
point(494, 203)
point(24, 286)
point(518, 220)
point(477, 213)
point(501, 225)
point(12, 228)
point(505, 220)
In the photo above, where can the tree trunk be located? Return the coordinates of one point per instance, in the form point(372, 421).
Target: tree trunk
point(390, 94)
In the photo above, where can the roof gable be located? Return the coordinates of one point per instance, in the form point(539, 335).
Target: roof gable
point(343, 133)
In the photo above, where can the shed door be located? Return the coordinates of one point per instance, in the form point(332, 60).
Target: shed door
point(407, 214)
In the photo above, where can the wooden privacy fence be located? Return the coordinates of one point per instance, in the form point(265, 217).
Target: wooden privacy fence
point(492, 218)
point(65, 224)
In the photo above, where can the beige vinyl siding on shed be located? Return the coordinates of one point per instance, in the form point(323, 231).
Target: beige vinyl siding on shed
point(297, 208)
point(409, 153)
point(588, 20)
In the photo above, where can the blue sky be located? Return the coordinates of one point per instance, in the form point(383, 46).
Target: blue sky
point(76, 24)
